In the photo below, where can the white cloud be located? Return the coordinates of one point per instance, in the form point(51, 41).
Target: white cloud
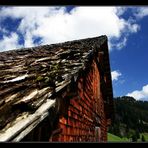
point(140, 94)
point(115, 75)
point(141, 12)
point(54, 25)
point(3, 30)
point(121, 44)
point(9, 42)
point(121, 10)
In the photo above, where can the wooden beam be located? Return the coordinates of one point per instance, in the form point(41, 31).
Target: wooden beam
point(17, 128)
point(29, 128)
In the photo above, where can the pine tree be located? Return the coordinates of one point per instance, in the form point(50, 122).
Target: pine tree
point(134, 138)
point(143, 139)
point(137, 134)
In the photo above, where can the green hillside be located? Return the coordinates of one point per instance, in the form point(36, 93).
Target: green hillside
point(130, 119)
point(114, 138)
point(145, 136)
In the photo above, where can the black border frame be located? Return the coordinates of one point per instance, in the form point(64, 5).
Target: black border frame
point(73, 2)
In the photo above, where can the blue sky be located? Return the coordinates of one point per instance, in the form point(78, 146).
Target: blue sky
point(126, 28)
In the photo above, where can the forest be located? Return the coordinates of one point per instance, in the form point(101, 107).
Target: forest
point(130, 119)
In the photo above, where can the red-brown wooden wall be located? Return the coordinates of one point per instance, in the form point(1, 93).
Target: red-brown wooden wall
point(80, 118)
point(86, 120)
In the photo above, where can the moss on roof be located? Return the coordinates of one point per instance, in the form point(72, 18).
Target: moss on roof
point(28, 75)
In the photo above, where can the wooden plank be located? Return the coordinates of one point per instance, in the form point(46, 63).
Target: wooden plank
point(29, 128)
point(11, 132)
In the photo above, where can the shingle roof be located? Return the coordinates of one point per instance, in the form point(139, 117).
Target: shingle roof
point(30, 76)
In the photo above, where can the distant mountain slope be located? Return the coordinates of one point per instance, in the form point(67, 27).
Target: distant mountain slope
point(131, 118)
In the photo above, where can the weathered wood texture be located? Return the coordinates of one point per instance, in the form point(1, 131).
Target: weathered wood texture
point(83, 111)
point(75, 75)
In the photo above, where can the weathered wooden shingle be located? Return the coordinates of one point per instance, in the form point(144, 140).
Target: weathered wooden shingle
point(29, 77)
